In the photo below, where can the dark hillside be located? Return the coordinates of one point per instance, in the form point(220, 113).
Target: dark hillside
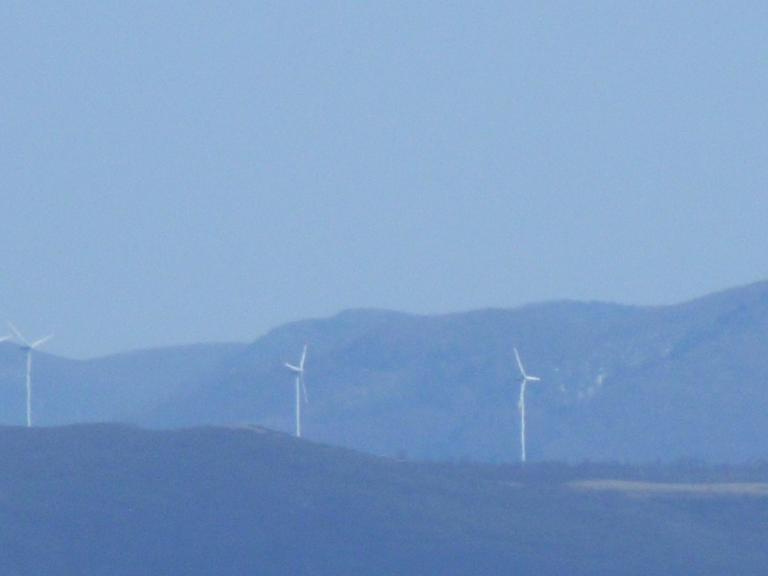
point(94, 500)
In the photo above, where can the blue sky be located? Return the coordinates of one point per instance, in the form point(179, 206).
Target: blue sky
point(186, 171)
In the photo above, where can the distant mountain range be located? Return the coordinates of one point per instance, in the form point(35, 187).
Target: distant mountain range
point(108, 499)
point(618, 382)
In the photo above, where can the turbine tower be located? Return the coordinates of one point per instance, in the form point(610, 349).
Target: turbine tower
point(28, 347)
point(521, 403)
point(300, 386)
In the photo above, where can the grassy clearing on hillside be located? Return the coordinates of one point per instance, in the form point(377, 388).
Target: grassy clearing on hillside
point(758, 489)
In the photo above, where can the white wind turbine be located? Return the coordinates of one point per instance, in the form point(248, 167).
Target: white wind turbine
point(28, 347)
point(521, 403)
point(300, 386)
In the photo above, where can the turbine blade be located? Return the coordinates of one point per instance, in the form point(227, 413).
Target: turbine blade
point(291, 367)
point(17, 333)
point(304, 388)
point(520, 363)
point(533, 379)
point(40, 342)
point(303, 357)
point(4, 338)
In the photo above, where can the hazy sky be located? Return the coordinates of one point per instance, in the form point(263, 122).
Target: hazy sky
point(186, 171)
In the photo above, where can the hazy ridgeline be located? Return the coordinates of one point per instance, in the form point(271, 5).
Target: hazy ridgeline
point(621, 383)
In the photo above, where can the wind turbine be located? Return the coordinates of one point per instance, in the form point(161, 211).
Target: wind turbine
point(28, 347)
point(521, 403)
point(300, 386)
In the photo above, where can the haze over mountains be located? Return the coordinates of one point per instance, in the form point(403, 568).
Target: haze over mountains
point(619, 382)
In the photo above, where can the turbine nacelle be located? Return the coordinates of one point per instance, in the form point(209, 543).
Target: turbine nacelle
point(25, 344)
point(298, 370)
point(523, 373)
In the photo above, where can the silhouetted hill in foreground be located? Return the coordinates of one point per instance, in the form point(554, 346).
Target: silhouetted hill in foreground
point(107, 499)
point(635, 384)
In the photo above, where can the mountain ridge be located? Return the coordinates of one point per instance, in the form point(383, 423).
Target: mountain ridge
point(620, 382)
